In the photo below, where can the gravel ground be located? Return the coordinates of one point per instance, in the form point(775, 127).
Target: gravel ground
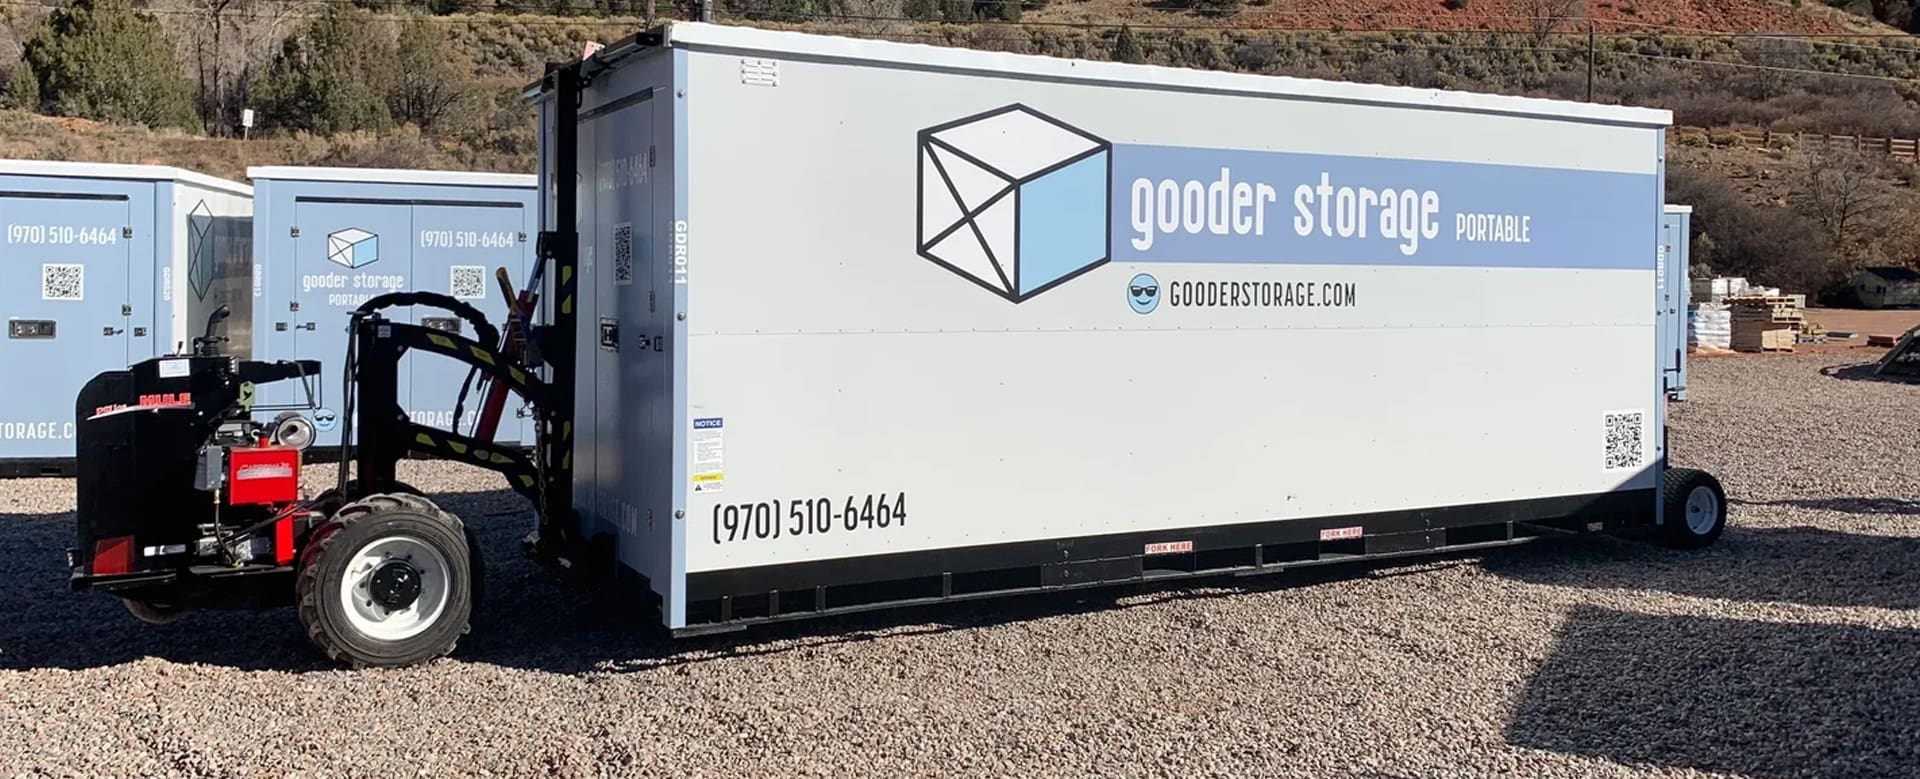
point(1792, 648)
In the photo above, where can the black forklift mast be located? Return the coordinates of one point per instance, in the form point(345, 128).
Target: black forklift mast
point(379, 343)
point(559, 523)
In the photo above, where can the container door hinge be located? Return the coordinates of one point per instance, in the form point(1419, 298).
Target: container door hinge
point(293, 305)
point(126, 309)
point(293, 232)
point(649, 156)
point(126, 232)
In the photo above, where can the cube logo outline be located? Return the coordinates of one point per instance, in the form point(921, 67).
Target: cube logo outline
point(200, 250)
point(1013, 200)
point(353, 247)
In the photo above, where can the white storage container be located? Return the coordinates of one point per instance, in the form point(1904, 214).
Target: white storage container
point(870, 321)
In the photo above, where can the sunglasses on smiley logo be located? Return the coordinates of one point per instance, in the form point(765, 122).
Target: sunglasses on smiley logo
point(1144, 292)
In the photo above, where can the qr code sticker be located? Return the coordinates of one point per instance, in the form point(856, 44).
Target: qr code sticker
point(1623, 439)
point(469, 282)
point(63, 281)
point(623, 253)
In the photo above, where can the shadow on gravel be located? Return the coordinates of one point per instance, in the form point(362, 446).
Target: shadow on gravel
point(527, 619)
point(1803, 565)
point(46, 625)
point(1753, 698)
point(1865, 371)
point(1866, 506)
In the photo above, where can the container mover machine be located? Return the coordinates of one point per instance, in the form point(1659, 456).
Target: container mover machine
point(829, 325)
point(102, 265)
point(336, 237)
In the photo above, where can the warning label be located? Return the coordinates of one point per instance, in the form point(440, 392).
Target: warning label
point(709, 474)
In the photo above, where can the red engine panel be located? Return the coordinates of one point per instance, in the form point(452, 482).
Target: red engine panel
point(264, 475)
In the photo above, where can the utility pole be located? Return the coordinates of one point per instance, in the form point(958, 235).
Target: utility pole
point(1590, 56)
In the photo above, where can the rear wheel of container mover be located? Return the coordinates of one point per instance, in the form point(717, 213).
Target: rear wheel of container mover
point(154, 613)
point(387, 582)
point(1695, 509)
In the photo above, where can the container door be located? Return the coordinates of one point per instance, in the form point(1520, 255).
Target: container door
point(347, 253)
point(1671, 276)
point(63, 286)
point(457, 247)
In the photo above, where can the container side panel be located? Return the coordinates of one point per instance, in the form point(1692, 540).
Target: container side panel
point(593, 439)
point(457, 247)
point(275, 290)
point(627, 318)
point(346, 254)
point(211, 266)
point(675, 466)
point(1284, 310)
point(64, 266)
point(333, 245)
point(1673, 300)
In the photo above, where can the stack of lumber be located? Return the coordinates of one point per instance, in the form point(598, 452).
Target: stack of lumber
point(1765, 323)
point(1812, 333)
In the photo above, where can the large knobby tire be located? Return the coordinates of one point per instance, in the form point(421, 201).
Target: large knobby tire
point(387, 582)
point(1695, 509)
point(332, 499)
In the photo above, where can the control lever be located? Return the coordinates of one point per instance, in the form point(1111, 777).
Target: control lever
point(209, 345)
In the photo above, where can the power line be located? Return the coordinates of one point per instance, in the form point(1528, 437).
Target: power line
point(1775, 68)
point(530, 20)
point(1355, 39)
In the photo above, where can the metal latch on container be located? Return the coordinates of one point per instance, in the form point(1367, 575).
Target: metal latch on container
point(609, 334)
point(126, 309)
point(293, 232)
point(293, 305)
point(126, 232)
point(30, 328)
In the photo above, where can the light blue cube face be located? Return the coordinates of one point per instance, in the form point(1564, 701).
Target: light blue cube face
point(353, 247)
point(365, 252)
point(1063, 223)
point(1013, 200)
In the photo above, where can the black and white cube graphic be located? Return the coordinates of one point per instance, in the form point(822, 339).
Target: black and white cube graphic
point(1014, 200)
point(200, 250)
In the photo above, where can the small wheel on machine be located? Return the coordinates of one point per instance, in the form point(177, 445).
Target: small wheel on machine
point(1695, 508)
point(389, 584)
point(154, 613)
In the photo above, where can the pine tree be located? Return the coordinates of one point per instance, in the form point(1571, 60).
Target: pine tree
point(104, 60)
point(329, 78)
point(1125, 48)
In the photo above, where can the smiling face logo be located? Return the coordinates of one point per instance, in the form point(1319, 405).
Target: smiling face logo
point(325, 419)
point(1143, 293)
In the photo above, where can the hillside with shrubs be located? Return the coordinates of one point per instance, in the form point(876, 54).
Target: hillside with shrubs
point(436, 84)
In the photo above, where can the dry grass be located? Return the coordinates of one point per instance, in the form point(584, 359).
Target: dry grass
point(28, 136)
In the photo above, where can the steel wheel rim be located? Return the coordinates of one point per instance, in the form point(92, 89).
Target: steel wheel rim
point(1703, 510)
point(371, 619)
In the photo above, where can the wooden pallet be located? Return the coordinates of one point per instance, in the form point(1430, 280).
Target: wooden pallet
point(1768, 340)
